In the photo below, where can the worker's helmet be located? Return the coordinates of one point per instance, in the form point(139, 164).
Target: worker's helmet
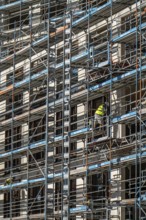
point(106, 104)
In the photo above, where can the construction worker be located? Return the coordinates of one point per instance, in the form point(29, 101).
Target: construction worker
point(90, 204)
point(100, 113)
point(9, 181)
point(98, 117)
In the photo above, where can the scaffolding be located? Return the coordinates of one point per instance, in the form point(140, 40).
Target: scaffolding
point(59, 60)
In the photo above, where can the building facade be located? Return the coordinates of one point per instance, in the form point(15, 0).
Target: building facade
point(59, 61)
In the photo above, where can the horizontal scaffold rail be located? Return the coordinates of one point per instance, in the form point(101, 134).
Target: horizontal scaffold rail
point(72, 67)
point(76, 58)
point(93, 11)
point(115, 161)
point(16, 4)
point(116, 81)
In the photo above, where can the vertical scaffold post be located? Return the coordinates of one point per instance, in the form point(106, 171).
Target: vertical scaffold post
point(110, 58)
point(66, 115)
point(29, 98)
point(47, 112)
point(136, 118)
point(86, 179)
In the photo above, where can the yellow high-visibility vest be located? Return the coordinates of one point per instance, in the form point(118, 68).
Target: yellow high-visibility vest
point(8, 181)
point(100, 110)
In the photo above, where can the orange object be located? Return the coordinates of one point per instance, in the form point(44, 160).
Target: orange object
point(9, 88)
point(59, 30)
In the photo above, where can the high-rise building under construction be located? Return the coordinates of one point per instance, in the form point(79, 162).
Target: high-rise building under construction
point(61, 63)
